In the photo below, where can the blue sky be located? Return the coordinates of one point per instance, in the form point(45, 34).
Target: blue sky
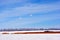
point(29, 14)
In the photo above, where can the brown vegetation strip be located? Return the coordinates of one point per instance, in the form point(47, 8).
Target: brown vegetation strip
point(37, 33)
point(46, 32)
point(5, 33)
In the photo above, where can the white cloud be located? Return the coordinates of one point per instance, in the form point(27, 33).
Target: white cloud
point(18, 11)
point(6, 2)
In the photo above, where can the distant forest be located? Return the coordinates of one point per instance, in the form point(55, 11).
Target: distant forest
point(29, 29)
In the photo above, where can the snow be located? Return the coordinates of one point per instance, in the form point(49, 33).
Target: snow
point(29, 36)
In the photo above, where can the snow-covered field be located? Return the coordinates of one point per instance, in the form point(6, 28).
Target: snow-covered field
point(29, 36)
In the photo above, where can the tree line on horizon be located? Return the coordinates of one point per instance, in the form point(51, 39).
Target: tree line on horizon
point(29, 29)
